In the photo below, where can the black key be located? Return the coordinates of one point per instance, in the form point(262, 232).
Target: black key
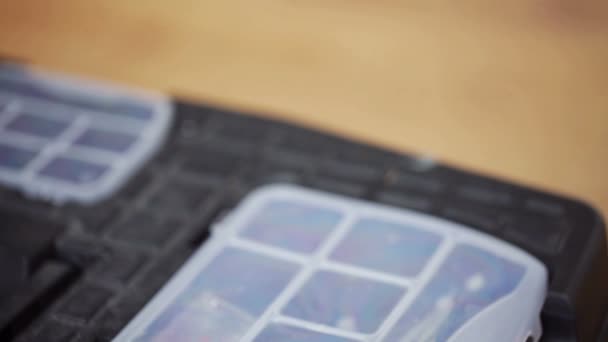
point(537, 232)
point(81, 251)
point(355, 172)
point(544, 206)
point(116, 316)
point(488, 195)
point(120, 266)
point(246, 129)
point(143, 228)
point(160, 273)
point(96, 219)
point(210, 162)
point(191, 127)
point(85, 302)
point(305, 145)
point(178, 198)
point(416, 182)
point(53, 331)
point(273, 170)
point(286, 163)
point(263, 174)
point(138, 184)
point(363, 155)
point(475, 217)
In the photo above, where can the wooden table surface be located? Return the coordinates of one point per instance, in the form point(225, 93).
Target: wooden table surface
point(517, 89)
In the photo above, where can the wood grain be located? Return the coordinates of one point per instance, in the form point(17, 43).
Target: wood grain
point(517, 89)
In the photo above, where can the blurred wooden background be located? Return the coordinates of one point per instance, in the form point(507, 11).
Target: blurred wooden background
point(517, 89)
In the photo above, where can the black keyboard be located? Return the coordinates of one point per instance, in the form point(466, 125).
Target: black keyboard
point(78, 273)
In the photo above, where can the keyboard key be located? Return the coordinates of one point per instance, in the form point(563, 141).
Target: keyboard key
point(142, 228)
point(544, 206)
point(230, 293)
point(53, 331)
point(279, 332)
point(263, 173)
point(298, 146)
point(275, 169)
point(117, 142)
point(405, 249)
point(417, 182)
point(487, 194)
point(95, 219)
point(81, 251)
point(542, 234)
point(210, 162)
point(120, 265)
point(345, 302)
point(73, 170)
point(363, 155)
point(136, 185)
point(475, 216)
point(85, 302)
point(351, 171)
point(191, 127)
point(116, 316)
point(15, 158)
point(247, 129)
point(291, 225)
point(37, 125)
point(178, 198)
point(469, 281)
point(160, 272)
point(309, 145)
point(272, 162)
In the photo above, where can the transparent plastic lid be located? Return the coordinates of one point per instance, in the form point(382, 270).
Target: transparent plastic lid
point(290, 264)
point(65, 139)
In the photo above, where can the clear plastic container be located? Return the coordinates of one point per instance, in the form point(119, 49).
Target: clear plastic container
point(295, 264)
point(65, 139)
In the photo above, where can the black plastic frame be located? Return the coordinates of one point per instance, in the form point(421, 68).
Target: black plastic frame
point(217, 156)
